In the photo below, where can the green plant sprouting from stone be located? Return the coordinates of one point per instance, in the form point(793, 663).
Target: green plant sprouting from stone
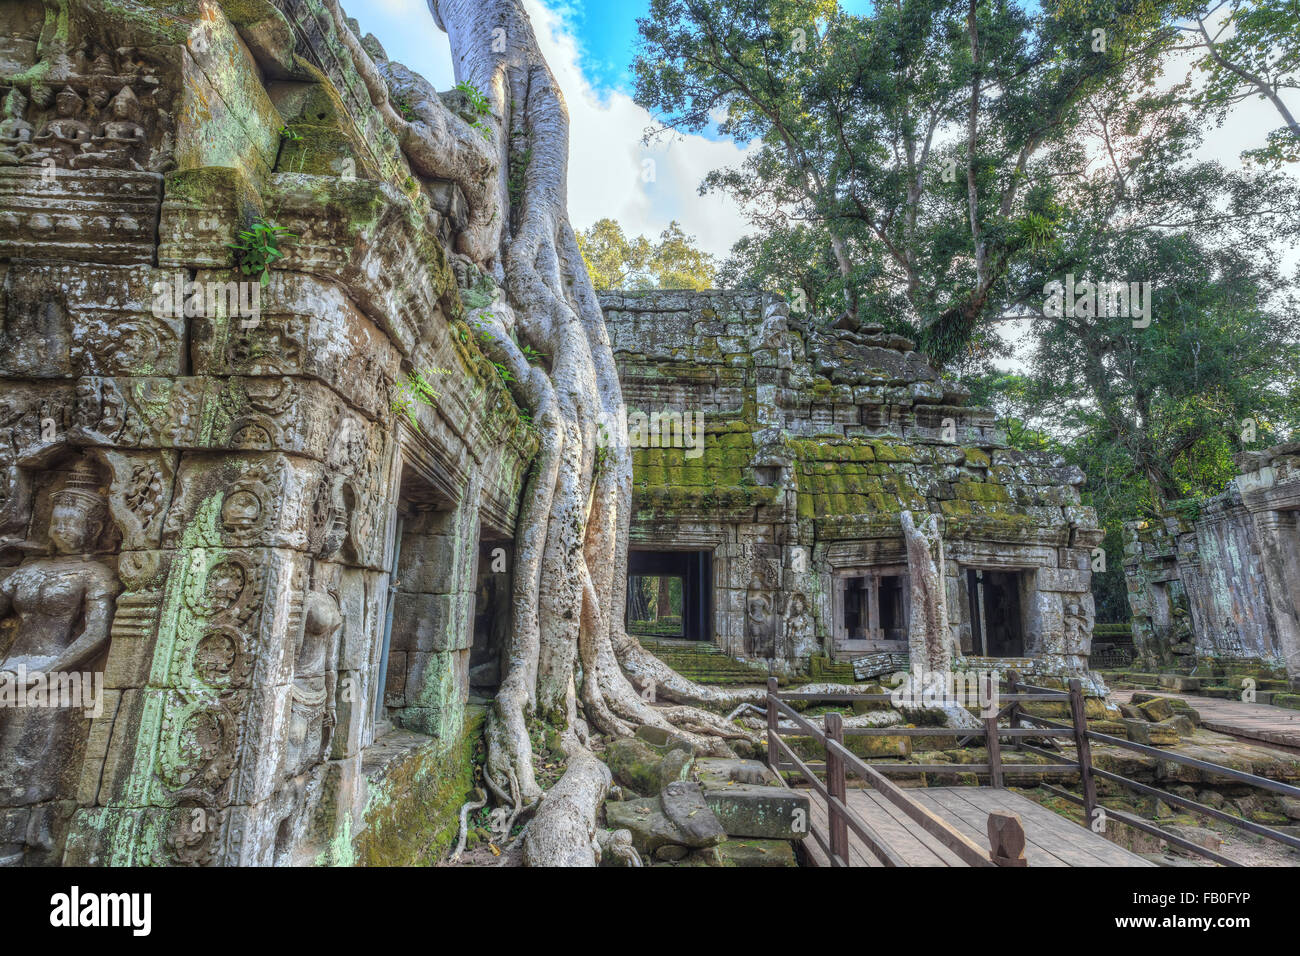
point(416, 389)
point(258, 248)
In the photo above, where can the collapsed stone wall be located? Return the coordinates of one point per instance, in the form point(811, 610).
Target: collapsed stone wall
point(199, 498)
point(1215, 582)
point(815, 441)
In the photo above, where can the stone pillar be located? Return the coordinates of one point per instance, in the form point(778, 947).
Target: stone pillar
point(1279, 543)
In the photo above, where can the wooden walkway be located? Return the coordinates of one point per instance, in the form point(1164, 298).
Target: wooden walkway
point(1262, 722)
point(1051, 839)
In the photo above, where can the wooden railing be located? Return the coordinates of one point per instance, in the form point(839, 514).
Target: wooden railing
point(1094, 812)
point(1007, 839)
point(1003, 832)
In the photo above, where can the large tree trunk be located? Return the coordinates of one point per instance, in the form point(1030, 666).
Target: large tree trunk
point(571, 544)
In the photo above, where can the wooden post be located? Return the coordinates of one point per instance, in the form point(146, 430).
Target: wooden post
point(1013, 687)
point(773, 752)
point(1006, 839)
point(1085, 750)
point(835, 785)
point(991, 733)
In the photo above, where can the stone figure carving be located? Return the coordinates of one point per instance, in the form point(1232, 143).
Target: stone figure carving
point(63, 137)
point(64, 605)
point(799, 626)
point(117, 141)
point(309, 695)
point(1076, 628)
point(15, 132)
point(759, 620)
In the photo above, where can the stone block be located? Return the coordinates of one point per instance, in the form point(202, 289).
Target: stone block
point(643, 769)
point(650, 827)
point(746, 810)
point(1200, 836)
point(1153, 735)
point(748, 853)
point(423, 622)
point(87, 215)
point(1179, 724)
point(718, 772)
point(1156, 709)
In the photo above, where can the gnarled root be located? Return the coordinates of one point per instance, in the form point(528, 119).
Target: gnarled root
point(465, 811)
point(564, 830)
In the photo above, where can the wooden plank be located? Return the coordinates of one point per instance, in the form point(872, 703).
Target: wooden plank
point(858, 854)
point(903, 841)
point(839, 829)
point(1083, 750)
point(972, 853)
point(773, 754)
point(1051, 832)
point(957, 804)
point(934, 844)
point(1067, 841)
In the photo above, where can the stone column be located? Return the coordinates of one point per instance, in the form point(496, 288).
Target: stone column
point(1279, 544)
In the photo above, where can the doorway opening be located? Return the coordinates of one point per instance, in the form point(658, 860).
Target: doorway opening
point(494, 585)
point(669, 594)
point(996, 609)
point(873, 605)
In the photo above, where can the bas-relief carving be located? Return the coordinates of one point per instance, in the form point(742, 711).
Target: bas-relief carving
point(15, 132)
point(761, 608)
point(59, 609)
point(33, 427)
point(800, 639)
point(111, 111)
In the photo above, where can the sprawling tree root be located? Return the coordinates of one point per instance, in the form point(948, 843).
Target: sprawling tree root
point(480, 799)
point(571, 544)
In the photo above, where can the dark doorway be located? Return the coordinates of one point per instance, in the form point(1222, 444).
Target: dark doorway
point(875, 605)
point(997, 620)
point(669, 594)
point(892, 618)
point(492, 603)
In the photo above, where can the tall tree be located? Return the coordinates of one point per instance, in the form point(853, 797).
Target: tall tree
point(616, 261)
point(1250, 49)
point(1154, 411)
point(910, 138)
point(510, 157)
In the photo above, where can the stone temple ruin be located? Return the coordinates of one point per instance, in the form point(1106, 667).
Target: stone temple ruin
point(1213, 585)
point(280, 574)
point(785, 524)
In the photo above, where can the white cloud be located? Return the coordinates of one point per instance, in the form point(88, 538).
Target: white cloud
point(609, 166)
point(607, 171)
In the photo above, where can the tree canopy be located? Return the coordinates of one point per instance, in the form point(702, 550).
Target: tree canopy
point(617, 261)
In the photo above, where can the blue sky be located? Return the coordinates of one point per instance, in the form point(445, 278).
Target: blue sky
point(589, 45)
point(604, 32)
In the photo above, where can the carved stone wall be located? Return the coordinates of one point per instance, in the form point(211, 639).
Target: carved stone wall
point(1216, 582)
point(814, 442)
point(208, 469)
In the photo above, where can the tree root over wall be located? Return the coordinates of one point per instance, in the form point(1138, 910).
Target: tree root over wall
point(570, 663)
